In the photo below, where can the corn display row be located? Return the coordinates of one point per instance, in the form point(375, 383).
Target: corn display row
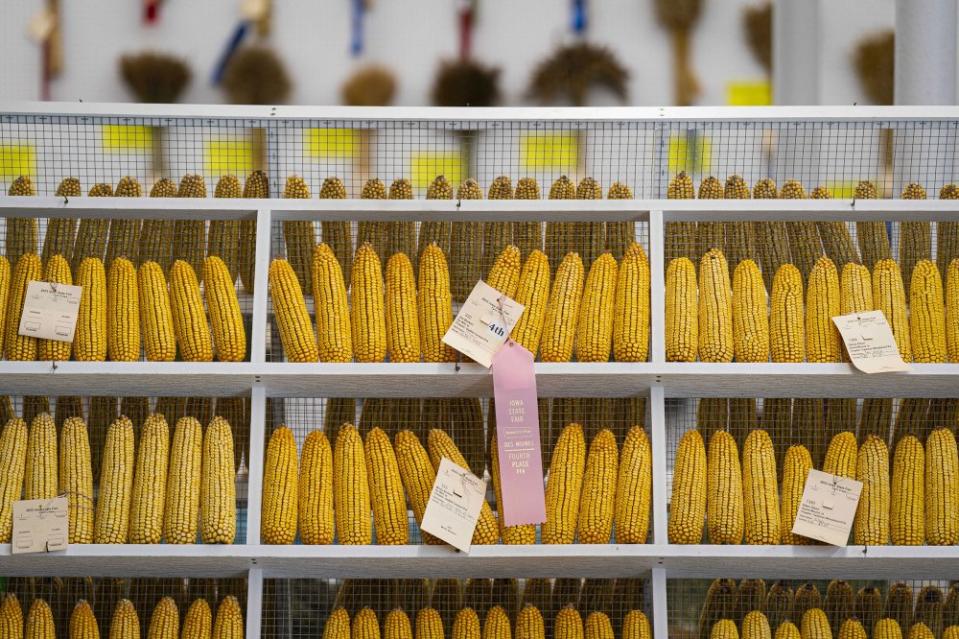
point(910, 493)
point(349, 490)
point(402, 317)
point(88, 620)
point(803, 612)
point(149, 491)
point(713, 318)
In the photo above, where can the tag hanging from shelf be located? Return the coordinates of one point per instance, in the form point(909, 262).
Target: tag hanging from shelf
point(239, 34)
point(356, 27)
point(579, 18)
point(467, 19)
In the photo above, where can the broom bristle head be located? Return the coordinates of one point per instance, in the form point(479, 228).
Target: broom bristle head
point(874, 60)
point(758, 22)
point(466, 83)
point(256, 75)
point(370, 86)
point(571, 71)
point(154, 78)
point(678, 14)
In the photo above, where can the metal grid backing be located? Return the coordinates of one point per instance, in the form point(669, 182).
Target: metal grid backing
point(100, 412)
point(300, 607)
point(103, 593)
point(867, 601)
point(468, 421)
point(469, 258)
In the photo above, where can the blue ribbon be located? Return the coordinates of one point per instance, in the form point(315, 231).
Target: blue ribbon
point(356, 23)
point(234, 43)
point(579, 16)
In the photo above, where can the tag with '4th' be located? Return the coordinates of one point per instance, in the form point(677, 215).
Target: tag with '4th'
point(484, 322)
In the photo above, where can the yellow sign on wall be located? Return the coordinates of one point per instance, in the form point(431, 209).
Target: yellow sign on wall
point(322, 144)
point(843, 190)
point(550, 151)
point(693, 154)
point(126, 137)
point(17, 160)
point(427, 165)
point(228, 157)
point(756, 93)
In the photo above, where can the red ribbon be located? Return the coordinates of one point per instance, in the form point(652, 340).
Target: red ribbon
point(151, 11)
point(466, 32)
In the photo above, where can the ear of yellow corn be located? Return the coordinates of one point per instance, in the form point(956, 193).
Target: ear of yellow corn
point(386, 490)
point(786, 328)
point(504, 273)
point(198, 622)
point(123, 312)
point(855, 289)
point(182, 504)
point(40, 481)
point(724, 629)
point(124, 234)
point(156, 315)
point(367, 626)
point(823, 343)
point(598, 626)
point(796, 467)
point(907, 505)
point(682, 311)
point(724, 490)
point(760, 492)
point(337, 625)
point(76, 479)
point(756, 626)
point(533, 293)
point(636, 626)
point(687, 509)
point(434, 304)
point(83, 623)
point(815, 625)
point(402, 320)
point(40, 623)
point(563, 486)
point(596, 508)
point(750, 315)
point(842, 456)
point(889, 296)
point(568, 624)
point(942, 488)
point(887, 629)
point(528, 236)
point(292, 318)
point(334, 337)
point(156, 236)
point(189, 318)
point(529, 624)
point(5, 280)
point(278, 524)
point(927, 323)
point(496, 235)
point(557, 233)
point(634, 488)
point(150, 481)
point(631, 304)
point(466, 625)
point(315, 490)
point(226, 320)
point(872, 236)
point(710, 235)
point(951, 311)
point(417, 474)
point(563, 311)
point(397, 625)
point(740, 236)
point(56, 270)
point(871, 525)
point(715, 309)
point(21, 347)
point(228, 623)
point(496, 625)
point(22, 232)
point(218, 484)
point(466, 245)
point(594, 329)
point(257, 185)
point(351, 490)
point(125, 623)
point(116, 485)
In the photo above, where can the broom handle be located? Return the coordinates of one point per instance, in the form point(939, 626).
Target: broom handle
point(686, 87)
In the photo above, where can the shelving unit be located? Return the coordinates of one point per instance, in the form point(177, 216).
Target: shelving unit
point(657, 379)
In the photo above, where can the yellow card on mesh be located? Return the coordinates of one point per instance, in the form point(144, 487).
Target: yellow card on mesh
point(755, 93)
point(233, 157)
point(843, 190)
point(126, 137)
point(331, 143)
point(550, 151)
point(693, 154)
point(426, 165)
point(17, 160)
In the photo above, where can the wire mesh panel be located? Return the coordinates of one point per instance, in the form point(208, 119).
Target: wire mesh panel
point(470, 422)
point(696, 605)
point(301, 607)
point(104, 595)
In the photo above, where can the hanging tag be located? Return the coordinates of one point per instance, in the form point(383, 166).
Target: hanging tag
point(42, 24)
point(454, 506)
point(484, 322)
point(870, 343)
point(50, 311)
point(828, 508)
point(253, 10)
point(517, 437)
point(40, 525)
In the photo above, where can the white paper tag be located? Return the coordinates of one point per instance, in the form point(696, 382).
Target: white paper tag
point(50, 311)
point(41, 25)
point(484, 322)
point(828, 508)
point(454, 505)
point(253, 10)
point(40, 525)
point(870, 342)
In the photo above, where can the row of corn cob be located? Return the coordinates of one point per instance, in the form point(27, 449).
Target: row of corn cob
point(748, 610)
point(529, 623)
point(717, 320)
point(198, 623)
point(346, 491)
point(912, 499)
point(148, 491)
point(404, 318)
point(125, 309)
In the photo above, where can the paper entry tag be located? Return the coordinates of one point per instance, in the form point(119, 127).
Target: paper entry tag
point(484, 322)
point(517, 437)
point(870, 342)
point(828, 508)
point(50, 311)
point(40, 525)
point(454, 506)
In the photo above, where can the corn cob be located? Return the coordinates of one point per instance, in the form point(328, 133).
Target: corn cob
point(786, 330)
point(125, 623)
point(441, 445)
point(402, 235)
point(83, 623)
point(887, 629)
point(149, 482)
point(710, 235)
point(466, 625)
point(292, 318)
point(218, 485)
point(951, 310)
point(951, 632)
point(337, 233)
point(103, 412)
point(40, 623)
point(920, 631)
point(928, 612)
point(198, 622)
point(719, 604)
point(504, 273)
point(568, 624)
point(116, 485)
point(636, 626)
point(533, 293)
point(598, 626)
point(90, 340)
point(688, 503)
point(190, 235)
point(772, 238)
point(512, 535)
point(563, 310)
point(557, 233)
point(156, 316)
point(634, 489)
point(429, 624)
point(915, 238)
point(189, 320)
point(386, 490)
point(906, 511)
point(229, 620)
point(315, 488)
point(724, 490)
point(796, 467)
point(838, 603)
point(182, 505)
point(842, 456)
point(594, 329)
point(224, 238)
point(366, 626)
point(529, 624)
point(278, 525)
point(123, 312)
point(58, 240)
point(947, 233)
point(942, 488)
point(755, 625)
point(724, 628)
point(375, 234)
point(75, 479)
point(823, 343)
point(466, 246)
point(596, 509)
point(299, 235)
point(66, 406)
point(680, 236)
point(871, 525)
point(750, 318)
point(926, 314)
point(740, 236)
point(761, 496)
point(21, 347)
point(889, 297)
point(852, 629)
point(715, 309)
point(779, 603)
point(417, 473)
point(22, 232)
point(815, 625)
point(631, 321)
point(396, 625)
point(402, 322)
point(56, 270)
point(40, 480)
point(257, 185)
point(495, 626)
point(435, 305)
point(496, 235)
point(436, 232)
point(124, 234)
point(351, 489)
point(787, 630)
point(226, 320)
point(872, 236)
point(563, 486)
point(836, 240)
point(804, 246)
point(4, 300)
point(682, 311)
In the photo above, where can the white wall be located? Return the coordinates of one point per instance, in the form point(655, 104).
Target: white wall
point(313, 38)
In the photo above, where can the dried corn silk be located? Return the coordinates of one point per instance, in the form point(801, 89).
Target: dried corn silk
point(915, 238)
point(91, 234)
point(374, 233)
point(466, 247)
point(497, 235)
point(740, 242)
point(124, 234)
point(588, 238)
point(804, 246)
point(224, 237)
point(436, 232)
point(528, 236)
point(557, 232)
point(299, 236)
point(772, 238)
point(337, 233)
point(872, 236)
point(835, 237)
point(619, 235)
point(58, 240)
point(680, 236)
point(189, 243)
point(156, 236)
